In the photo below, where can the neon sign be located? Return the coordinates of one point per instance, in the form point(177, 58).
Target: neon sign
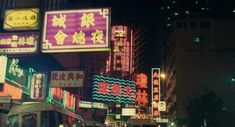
point(13, 91)
point(13, 43)
point(21, 19)
point(76, 30)
point(15, 73)
point(38, 86)
point(113, 90)
point(69, 100)
point(155, 92)
point(141, 86)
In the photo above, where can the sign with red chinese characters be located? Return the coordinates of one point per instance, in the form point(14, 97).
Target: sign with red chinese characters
point(113, 90)
point(155, 92)
point(141, 88)
point(67, 78)
point(76, 30)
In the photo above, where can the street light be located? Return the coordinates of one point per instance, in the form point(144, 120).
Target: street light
point(163, 76)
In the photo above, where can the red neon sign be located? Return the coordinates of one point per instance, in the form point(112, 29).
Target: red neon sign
point(69, 102)
point(10, 90)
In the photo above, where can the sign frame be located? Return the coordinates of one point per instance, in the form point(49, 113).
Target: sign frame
point(51, 47)
point(7, 25)
point(30, 39)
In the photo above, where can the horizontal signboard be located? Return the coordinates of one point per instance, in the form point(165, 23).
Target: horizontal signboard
point(85, 104)
point(67, 78)
point(21, 19)
point(128, 111)
point(113, 90)
point(5, 99)
point(14, 43)
point(76, 30)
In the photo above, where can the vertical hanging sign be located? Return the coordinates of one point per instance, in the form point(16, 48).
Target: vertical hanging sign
point(155, 76)
point(3, 67)
point(38, 86)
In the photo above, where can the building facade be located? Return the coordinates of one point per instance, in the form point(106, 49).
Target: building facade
point(200, 60)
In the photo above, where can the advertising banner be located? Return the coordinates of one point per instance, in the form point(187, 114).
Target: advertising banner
point(3, 68)
point(14, 43)
point(76, 30)
point(113, 90)
point(21, 19)
point(67, 78)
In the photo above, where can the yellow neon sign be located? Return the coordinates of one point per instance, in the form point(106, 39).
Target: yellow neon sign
point(21, 19)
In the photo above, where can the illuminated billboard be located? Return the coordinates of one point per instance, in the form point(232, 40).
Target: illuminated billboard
point(155, 73)
point(21, 19)
point(113, 90)
point(76, 30)
point(13, 43)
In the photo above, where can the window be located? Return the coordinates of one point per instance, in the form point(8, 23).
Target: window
point(201, 40)
point(13, 121)
point(29, 120)
point(48, 119)
point(205, 24)
point(185, 24)
point(193, 24)
point(179, 25)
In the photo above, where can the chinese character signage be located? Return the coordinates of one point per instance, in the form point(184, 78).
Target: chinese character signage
point(113, 90)
point(21, 19)
point(16, 74)
point(67, 78)
point(12, 43)
point(119, 32)
point(76, 30)
point(69, 100)
point(3, 67)
point(57, 94)
point(12, 91)
point(141, 86)
point(155, 92)
point(38, 86)
point(62, 97)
